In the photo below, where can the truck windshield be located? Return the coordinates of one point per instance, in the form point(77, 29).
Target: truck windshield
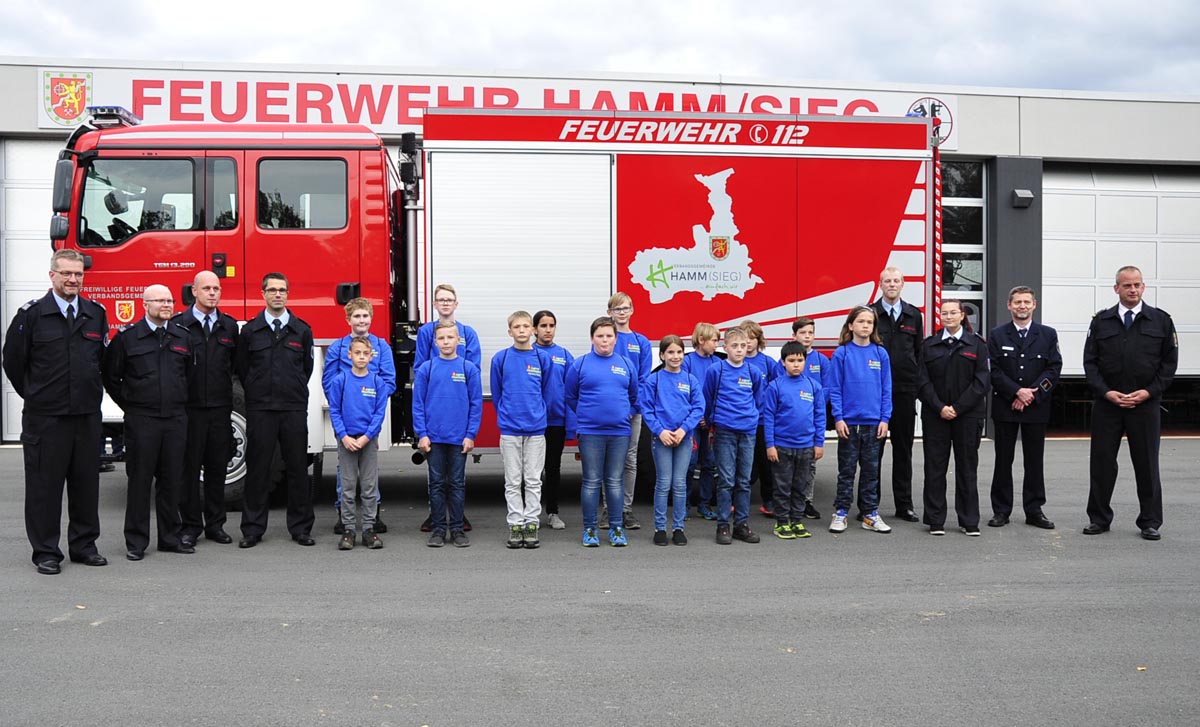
point(122, 197)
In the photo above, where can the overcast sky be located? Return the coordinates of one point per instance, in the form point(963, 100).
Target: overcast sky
point(1093, 45)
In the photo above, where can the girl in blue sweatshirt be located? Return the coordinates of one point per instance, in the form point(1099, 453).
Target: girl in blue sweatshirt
point(560, 421)
point(672, 404)
point(859, 383)
point(601, 388)
point(705, 338)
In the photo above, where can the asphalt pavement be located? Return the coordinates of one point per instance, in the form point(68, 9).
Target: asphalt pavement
point(1018, 627)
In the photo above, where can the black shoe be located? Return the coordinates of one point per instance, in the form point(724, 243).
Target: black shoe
point(188, 541)
point(907, 516)
point(249, 541)
point(459, 539)
point(972, 530)
point(1095, 529)
point(1000, 521)
point(371, 540)
point(744, 533)
point(380, 525)
point(810, 512)
point(107, 466)
point(1038, 520)
point(1151, 534)
point(134, 555)
point(181, 549)
point(48, 567)
point(340, 528)
point(678, 538)
point(219, 536)
point(660, 537)
point(92, 559)
point(437, 539)
point(305, 540)
point(427, 526)
point(723, 536)
point(347, 542)
point(629, 521)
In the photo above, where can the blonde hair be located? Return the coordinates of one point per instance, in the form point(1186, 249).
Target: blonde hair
point(704, 332)
point(619, 298)
point(448, 288)
point(360, 339)
point(519, 315)
point(735, 334)
point(359, 304)
point(439, 325)
point(755, 332)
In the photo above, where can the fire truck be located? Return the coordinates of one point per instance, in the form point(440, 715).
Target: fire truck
point(698, 217)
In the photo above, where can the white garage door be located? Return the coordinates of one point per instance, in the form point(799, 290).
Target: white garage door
point(26, 174)
point(1100, 217)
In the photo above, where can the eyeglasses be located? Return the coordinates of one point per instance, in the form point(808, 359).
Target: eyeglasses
point(69, 274)
point(161, 301)
point(275, 291)
point(444, 301)
point(622, 309)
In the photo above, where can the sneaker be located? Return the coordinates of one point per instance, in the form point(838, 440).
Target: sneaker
point(678, 538)
point(810, 512)
point(839, 522)
point(706, 512)
point(531, 535)
point(743, 533)
point(436, 539)
point(872, 521)
point(784, 531)
point(660, 537)
point(466, 523)
point(347, 542)
point(972, 530)
point(340, 528)
point(459, 539)
point(937, 530)
point(767, 508)
point(371, 540)
point(427, 525)
point(800, 531)
point(616, 537)
point(630, 522)
point(723, 536)
point(590, 538)
point(555, 522)
point(516, 537)
point(380, 525)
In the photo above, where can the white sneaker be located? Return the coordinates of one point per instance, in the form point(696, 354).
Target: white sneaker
point(839, 522)
point(872, 521)
point(555, 522)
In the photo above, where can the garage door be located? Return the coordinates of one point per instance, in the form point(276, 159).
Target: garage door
point(1100, 217)
point(26, 174)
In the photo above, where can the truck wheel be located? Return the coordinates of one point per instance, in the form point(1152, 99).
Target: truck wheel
point(235, 471)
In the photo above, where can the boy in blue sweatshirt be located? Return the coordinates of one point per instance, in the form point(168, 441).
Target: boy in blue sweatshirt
point(447, 407)
point(804, 330)
point(794, 430)
point(635, 347)
point(445, 301)
point(520, 378)
point(860, 393)
point(733, 398)
point(359, 314)
point(357, 404)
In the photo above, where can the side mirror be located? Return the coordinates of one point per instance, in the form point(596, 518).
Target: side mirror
point(59, 227)
point(64, 174)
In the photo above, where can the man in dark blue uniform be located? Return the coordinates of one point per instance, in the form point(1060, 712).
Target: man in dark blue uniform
point(903, 330)
point(146, 373)
point(274, 360)
point(52, 356)
point(1129, 358)
point(213, 336)
point(1026, 364)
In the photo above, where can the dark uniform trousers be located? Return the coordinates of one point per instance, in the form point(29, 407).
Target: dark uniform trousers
point(202, 504)
point(902, 429)
point(902, 338)
point(289, 431)
point(1142, 356)
point(58, 448)
point(154, 457)
point(938, 438)
point(1033, 447)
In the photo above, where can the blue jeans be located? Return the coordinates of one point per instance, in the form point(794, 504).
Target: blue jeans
point(671, 466)
point(861, 451)
point(447, 487)
point(702, 457)
point(603, 463)
point(735, 457)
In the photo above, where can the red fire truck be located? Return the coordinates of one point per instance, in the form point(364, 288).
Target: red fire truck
point(697, 216)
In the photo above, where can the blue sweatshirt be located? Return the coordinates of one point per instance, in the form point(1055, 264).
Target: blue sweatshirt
point(733, 397)
point(519, 388)
point(794, 412)
point(815, 365)
point(671, 401)
point(636, 347)
point(357, 404)
point(468, 345)
point(601, 390)
point(337, 358)
point(859, 384)
point(557, 413)
point(768, 368)
point(447, 400)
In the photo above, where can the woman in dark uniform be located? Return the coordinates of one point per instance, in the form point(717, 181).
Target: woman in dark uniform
point(953, 387)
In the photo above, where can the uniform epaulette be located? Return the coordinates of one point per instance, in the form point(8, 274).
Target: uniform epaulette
point(30, 304)
point(126, 327)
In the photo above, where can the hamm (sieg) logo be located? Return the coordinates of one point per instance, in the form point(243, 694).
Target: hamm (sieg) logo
point(718, 246)
point(66, 95)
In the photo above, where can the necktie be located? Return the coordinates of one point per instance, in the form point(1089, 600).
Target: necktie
point(207, 326)
point(1023, 332)
point(161, 332)
point(1128, 319)
point(70, 316)
point(277, 325)
point(896, 315)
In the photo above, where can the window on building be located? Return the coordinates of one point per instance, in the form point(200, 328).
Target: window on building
point(302, 194)
point(963, 233)
point(122, 197)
